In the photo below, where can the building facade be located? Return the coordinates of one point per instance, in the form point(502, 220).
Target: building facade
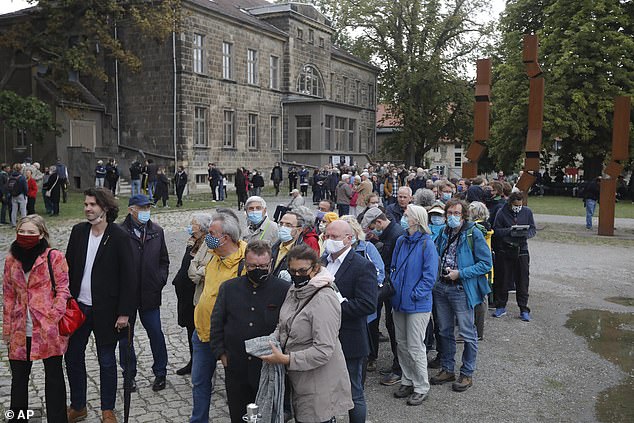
point(244, 83)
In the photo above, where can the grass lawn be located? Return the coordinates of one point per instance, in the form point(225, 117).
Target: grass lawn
point(570, 206)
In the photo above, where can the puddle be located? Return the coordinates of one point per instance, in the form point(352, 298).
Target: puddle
point(625, 301)
point(610, 335)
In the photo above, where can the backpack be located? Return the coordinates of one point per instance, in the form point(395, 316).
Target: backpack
point(470, 233)
point(13, 186)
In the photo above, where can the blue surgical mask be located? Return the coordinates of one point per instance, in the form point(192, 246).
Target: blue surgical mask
point(143, 216)
point(453, 221)
point(404, 223)
point(459, 188)
point(212, 242)
point(320, 215)
point(446, 196)
point(189, 230)
point(437, 220)
point(284, 234)
point(377, 232)
point(255, 217)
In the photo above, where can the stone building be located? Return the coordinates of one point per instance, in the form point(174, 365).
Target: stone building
point(244, 83)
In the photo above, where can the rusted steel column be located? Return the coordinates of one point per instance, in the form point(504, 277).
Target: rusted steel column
point(535, 114)
point(620, 147)
point(480, 119)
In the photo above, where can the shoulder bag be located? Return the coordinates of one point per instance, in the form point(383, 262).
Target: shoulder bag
point(73, 317)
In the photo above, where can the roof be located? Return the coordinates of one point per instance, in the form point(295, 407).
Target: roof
point(19, 13)
point(384, 119)
point(338, 52)
point(85, 98)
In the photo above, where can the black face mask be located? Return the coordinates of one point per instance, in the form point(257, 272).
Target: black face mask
point(300, 280)
point(258, 276)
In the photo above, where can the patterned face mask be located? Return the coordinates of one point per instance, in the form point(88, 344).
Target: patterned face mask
point(212, 242)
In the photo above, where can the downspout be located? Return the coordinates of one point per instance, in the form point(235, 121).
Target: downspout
point(174, 123)
point(116, 88)
point(282, 133)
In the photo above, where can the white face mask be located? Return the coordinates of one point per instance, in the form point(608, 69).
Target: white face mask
point(333, 247)
point(516, 209)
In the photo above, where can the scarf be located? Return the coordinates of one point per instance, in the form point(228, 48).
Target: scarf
point(28, 257)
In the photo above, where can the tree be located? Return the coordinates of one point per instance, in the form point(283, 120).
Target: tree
point(423, 48)
point(587, 52)
point(76, 35)
point(27, 114)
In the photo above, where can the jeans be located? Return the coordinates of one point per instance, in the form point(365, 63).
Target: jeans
point(203, 368)
point(151, 189)
point(344, 209)
point(54, 385)
point(135, 186)
point(99, 182)
point(17, 202)
point(412, 354)
point(48, 205)
point(76, 366)
point(355, 371)
point(151, 321)
point(221, 191)
point(452, 307)
point(590, 205)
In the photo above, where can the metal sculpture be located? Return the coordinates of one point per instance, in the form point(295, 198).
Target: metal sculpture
point(620, 146)
point(535, 114)
point(480, 118)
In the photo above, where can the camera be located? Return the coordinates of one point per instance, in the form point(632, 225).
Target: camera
point(445, 273)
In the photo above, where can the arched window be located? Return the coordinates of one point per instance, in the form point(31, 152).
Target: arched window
point(309, 82)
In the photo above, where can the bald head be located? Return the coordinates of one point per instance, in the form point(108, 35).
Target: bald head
point(338, 229)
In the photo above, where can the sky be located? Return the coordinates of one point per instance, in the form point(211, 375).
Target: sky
point(6, 6)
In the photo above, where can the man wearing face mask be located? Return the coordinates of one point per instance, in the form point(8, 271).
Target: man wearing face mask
point(511, 254)
point(324, 206)
point(395, 211)
point(227, 262)
point(101, 274)
point(247, 307)
point(259, 226)
point(356, 278)
point(465, 259)
point(445, 191)
point(289, 234)
point(151, 264)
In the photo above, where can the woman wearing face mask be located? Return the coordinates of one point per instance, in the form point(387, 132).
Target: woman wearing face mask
point(308, 331)
point(183, 284)
point(436, 219)
point(32, 311)
point(414, 271)
point(511, 254)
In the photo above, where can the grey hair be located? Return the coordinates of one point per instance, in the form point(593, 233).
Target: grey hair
point(203, 219)
point(305, 215)
point(419, 215)
point(424, 197)
point(405, 188)
point(478, 211)
point(255, 199)
point(230, 225)
point(354, 224)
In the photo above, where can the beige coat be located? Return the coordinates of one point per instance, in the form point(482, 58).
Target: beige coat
point(365, 189)
point(196, 271)
point(317, 371)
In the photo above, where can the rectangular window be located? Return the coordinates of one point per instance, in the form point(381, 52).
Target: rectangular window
point(275, 132)
point(332, 85)
point(274, 73)
point(300, 34)
point(303, 129)
point(198, 53)
point(228, 131)
point(200, 126)
point(328, 133)
point(436, 149)
point(351, 130)
point(322, 42)
point(201, 178)
point(357, 92)
point(227, 60)
point(457, 155)
point(253, 131)
point(371, 99)
point(20, 139)
point(252, 67)
point(368, 142)
point(311, 36)
point(345, 90)
point(340, 133)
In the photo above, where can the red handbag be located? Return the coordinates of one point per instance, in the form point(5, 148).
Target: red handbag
point(73, 318)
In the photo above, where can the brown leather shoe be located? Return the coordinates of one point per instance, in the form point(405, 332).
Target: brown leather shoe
point(442, 377)
point(107, 416)
point(75, 415)
point(463, 383)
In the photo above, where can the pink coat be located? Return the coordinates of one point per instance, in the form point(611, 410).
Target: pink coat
point(46, 310)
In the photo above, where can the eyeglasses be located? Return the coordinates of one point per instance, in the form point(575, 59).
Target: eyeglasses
point(301, 272)
point(287, 225)
point(257, 266)
point(459, 214)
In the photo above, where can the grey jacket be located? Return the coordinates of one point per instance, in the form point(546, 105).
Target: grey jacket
point(344, 193)
point(317, 371)
point(265, 231)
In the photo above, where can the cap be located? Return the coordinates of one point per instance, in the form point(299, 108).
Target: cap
point(139, 200)
point(437, 207)
point(370, 216)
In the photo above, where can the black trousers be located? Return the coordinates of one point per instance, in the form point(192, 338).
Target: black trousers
point(389, 325)
point(179, 195)
point(512, 271)
point(240, 393)
point(54, 386)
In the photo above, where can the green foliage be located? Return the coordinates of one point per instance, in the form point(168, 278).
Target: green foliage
point(28, 114)
point(77, 35)
point(587, 54)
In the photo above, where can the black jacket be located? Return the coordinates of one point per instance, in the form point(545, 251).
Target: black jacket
point(135, 171)
point(388, 238)
point(356, 280)
point(257, 181)
point(180, 180)
point(185, 292)
point(394, 212)
point(151, 262)
point(242, 312)
point(114, 287)
point(502, 227)
point(275, 251)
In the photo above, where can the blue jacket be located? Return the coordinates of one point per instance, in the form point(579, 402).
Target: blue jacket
point(436, 230)
point(472, 265)
point(369, 251)
point(414, 273)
